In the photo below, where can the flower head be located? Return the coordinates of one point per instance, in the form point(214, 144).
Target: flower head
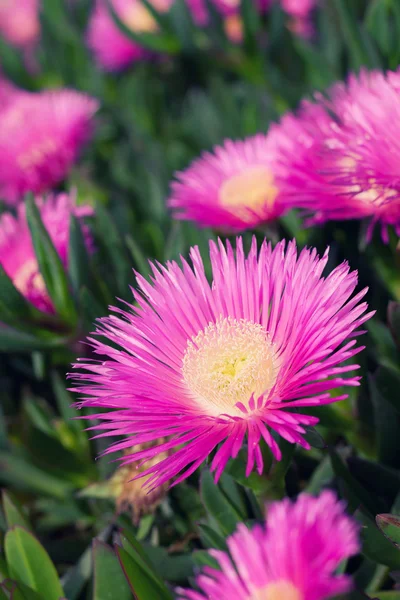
point(233, 188)
point(350, 170)
point(40, 138)
point(300, 13)
point(292, 557)
point(114, 50)
point(19, 22)
point(17, 255)
point(206, 365)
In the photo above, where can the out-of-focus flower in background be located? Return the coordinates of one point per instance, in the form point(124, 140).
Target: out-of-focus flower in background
point(235, 187)
point(17, 255)
point(206, 364)
point(300, 13)
point(351, 167)
point(19, 22)
point(112, 49)
point(292, 557)
point(41, 135)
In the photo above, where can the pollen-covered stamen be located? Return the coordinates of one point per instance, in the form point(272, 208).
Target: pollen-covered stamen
point(229, 362)
point(279, 590)
point(252, 191)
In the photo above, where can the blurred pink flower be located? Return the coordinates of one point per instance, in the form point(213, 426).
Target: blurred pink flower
point(293, 556)
point(41, 135)
point(207, 365)
point(114, 50)
point(232, 188)
point(351, 167)
point(300, 13)
point(17, 255)
point(19, 22)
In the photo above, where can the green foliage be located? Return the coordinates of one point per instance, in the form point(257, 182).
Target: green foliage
point(61, 534)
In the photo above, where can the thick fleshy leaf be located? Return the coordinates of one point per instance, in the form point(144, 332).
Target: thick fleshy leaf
point(143, 586)
point(109, 579)
point(390, 527)
point(219, 508)
point(29, 563)
point(50, 265)
point(14, 512)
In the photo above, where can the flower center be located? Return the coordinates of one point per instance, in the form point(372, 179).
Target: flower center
point(248, 193)
point(279, 590)
point(28, 277)
point(229, 362)
point(139, 19)
point(234, 28)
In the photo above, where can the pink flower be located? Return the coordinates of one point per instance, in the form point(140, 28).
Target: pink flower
point(351, 168)
point(292, 557)
point(233, 188)
point(207, 365)
point(19, 22)
point(41, 135)
point(17, 255)
point(114, 50)
point(300, 12)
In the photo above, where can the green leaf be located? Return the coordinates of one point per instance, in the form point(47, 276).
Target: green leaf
point(109, 579)
point(18, 472)
point(387, 595)
point(19, 591)
point(210, 538)
point(50, 265)
point(29, 563)
point(393, 314)
point(13, 512)
point(12, 340)
point(390, 527)
point(387, 382)
point(78, 259)
point(355, 493)
point(387, 422)
point(143, 586)
point(217, 505)
point(376, 546)
point(352, 34)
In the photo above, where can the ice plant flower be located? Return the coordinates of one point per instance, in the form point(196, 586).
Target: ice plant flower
point(231, 189)
point(41, 135)
point(350, 170)
point(293, 556)
point(112, 49)
point(208, 365)
point(300, 13)
point(19, 22)
point(17, 255)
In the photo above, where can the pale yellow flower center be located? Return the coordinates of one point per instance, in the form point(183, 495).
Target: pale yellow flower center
point(234, 28)
point(28, 276)
point(279, 590)
point(251, 192)
point(33, 157)
point(139, 19)
point(229, 362)
point(376, 194)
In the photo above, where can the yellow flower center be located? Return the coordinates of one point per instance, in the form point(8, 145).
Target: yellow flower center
point(249, 193)
point(234, 28)
point(28, 277)
point(229, 362)
point(279, 590)
point(139, 19)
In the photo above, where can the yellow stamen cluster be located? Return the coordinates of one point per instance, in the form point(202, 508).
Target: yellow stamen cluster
point(229, 362)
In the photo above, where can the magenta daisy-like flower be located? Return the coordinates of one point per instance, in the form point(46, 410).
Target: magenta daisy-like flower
point(233, 188)
point(19, 22)
point(112, 49)
point(292, 557)
point(41, 135)
point(300, 12)
point(350, 170)
point(17, 255)
point(209, 364)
